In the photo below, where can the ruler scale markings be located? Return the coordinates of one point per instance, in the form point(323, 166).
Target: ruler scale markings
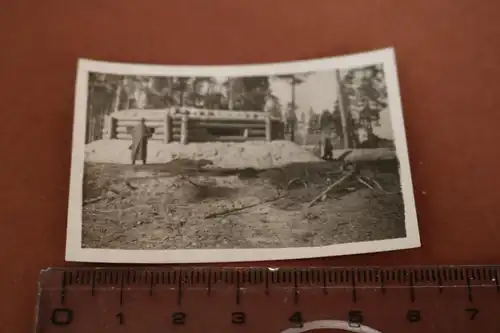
point(71, 282)
point(92, 287)
point(150, 283)
point(324, 273)
point(209, 282)
point(446, 273)
point(411, 287)
point(353, 286)
point(469, 289)
point(267, 273)
point(179, 287)
point(440, 281)
point(157, 277)
point(63, 288)
point(497, 284)
point(122, 281)
point(382, 282)
point(295, 288)
point(238, 288)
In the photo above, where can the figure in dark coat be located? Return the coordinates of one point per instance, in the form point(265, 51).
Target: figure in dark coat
point(328, 152)
point(140, 136)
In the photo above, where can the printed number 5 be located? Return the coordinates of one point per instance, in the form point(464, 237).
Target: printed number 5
point(355, 318)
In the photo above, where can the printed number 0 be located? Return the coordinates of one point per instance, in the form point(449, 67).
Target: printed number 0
point(61, 317)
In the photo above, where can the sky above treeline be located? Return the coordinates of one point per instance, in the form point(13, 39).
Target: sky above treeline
point(318, 91)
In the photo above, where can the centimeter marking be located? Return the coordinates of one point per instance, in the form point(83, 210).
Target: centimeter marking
point(354, 278)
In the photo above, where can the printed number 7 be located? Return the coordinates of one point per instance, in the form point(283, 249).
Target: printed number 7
point(473, 313)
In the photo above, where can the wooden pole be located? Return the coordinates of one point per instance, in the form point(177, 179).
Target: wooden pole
point(342, 108)
point(184, 129)
point(112, 127)
point(118, 94)
point(269, 128)
point(167, 128)
point(230, 94)
point(293, 122)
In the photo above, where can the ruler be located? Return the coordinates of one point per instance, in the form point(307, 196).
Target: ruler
point(454, 299)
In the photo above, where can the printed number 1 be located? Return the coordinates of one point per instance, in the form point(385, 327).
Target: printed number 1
point(120, 316)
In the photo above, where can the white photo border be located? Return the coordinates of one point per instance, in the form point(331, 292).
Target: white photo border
point(74, 250)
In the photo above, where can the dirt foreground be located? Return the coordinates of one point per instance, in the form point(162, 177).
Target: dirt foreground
point(163, 206)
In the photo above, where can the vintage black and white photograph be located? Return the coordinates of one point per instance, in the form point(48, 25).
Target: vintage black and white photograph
point(185, 164)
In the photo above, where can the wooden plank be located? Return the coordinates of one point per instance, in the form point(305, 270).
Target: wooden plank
point(178, 117)
point(122, 136)
point(256, 132)
point(236, 139)
point(149, 123)
point(158, 130)
point(227, 125)
point(167, 128)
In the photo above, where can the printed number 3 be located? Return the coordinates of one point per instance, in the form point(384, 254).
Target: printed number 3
point(178, 318)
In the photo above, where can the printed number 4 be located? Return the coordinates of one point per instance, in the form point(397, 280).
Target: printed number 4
point(296, 318)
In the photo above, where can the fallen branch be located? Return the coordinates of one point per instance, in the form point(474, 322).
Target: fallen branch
point(234, 210)
point(329, 188)
point(130, 186)
point(381, 188)
point(297, 180)
point(110, 189)
point(92, 200)
point(362, 181)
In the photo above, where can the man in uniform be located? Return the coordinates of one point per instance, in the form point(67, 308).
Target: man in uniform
point(328, 149)
point(140, 136)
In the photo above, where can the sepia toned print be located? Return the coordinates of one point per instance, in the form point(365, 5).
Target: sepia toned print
point(184, 164)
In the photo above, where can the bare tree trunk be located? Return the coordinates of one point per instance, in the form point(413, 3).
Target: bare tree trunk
point(293, 123)
point(118, 95)
point(306, 129)
point(90, 116)
point(343, 116)
point(181, 98)
point(230, 95)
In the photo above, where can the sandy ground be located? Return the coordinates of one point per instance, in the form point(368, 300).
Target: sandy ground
point(255, 154)
point(164, 206)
